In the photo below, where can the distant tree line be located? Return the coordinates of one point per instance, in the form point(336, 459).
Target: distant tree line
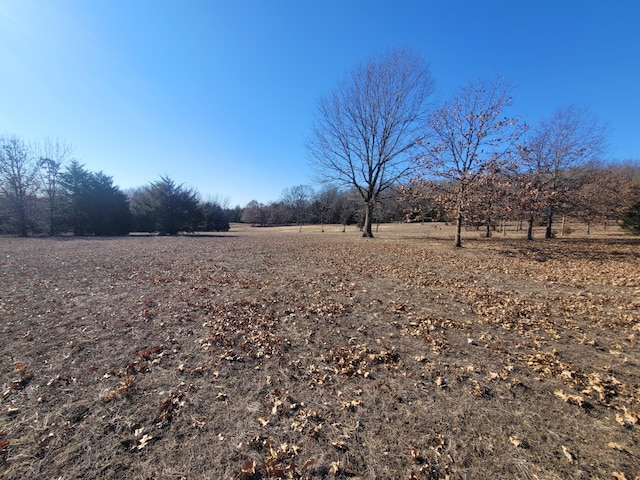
point(44, 190)
point(300, 205)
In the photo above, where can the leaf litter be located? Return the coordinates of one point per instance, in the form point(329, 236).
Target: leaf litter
point(272, 354)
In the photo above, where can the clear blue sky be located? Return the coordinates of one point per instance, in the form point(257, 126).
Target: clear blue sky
point(220, 94)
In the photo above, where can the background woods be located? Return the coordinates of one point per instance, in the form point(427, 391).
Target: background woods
point(58, 195)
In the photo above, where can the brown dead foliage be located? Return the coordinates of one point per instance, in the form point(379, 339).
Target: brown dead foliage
point(270, 354)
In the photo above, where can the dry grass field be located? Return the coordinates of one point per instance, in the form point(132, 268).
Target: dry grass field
point(268, 353)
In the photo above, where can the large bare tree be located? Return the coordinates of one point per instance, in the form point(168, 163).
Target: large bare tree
point(471, 134)
point(366, 128)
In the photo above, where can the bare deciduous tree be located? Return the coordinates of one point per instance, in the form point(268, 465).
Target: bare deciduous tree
point(470, 133)
point(347, 207)
point(298, 199)
point(366, 128)
point(492, 197)
point(325, 202)
point(530, 183)
point(53, 157)
point(558, 151)
point(17, 179)
point(254, 213)
point(604, 193)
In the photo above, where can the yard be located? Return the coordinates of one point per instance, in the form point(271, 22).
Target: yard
point(269, 353)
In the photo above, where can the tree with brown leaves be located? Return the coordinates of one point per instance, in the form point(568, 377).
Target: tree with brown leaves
point(470, 134)
point(558, 152)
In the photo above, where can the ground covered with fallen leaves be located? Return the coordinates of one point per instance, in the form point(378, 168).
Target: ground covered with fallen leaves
point(268, 353)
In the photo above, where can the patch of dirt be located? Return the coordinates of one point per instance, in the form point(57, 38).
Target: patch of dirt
point(268, 353)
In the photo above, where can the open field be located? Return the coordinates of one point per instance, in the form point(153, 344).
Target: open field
point(268, 353)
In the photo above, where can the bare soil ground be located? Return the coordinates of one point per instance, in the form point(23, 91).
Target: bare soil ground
point(268, 353)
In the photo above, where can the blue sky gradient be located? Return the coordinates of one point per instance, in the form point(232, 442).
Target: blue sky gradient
point(220, 94)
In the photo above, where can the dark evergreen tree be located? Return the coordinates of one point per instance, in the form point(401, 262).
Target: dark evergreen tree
point(234, 215)
point(91, 204)
point(108, 207)
point(214, 218)
point(166, 208)
point(631, 219)
point(76, 185)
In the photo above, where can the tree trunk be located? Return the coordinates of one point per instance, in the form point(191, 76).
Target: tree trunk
point(588, 227)
point(530, 228)
point(549, 233)
point(368, 219)
point(52, 229)
point(22, 216)
point(458, 243)
point(488, 232)
point(564, 223)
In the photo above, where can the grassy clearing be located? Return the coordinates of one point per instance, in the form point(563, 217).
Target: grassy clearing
point(268, 353)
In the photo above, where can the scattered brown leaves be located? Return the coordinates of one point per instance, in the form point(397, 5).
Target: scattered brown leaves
point(4, 447)
point(21, 382)
point(370, 349)
point(572, 399)
point(359, 359)
point(124, 386)
point(170, 407)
